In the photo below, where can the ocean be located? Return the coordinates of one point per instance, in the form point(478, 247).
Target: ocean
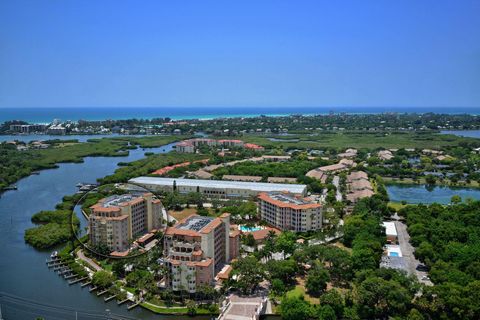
point(46, 115)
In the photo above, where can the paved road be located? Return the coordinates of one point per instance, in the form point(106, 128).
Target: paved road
point(336, 183)
point(82, 256)
point(407, 251)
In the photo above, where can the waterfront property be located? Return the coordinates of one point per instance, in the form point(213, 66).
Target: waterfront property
point(287, 211)
point(216, 188)
point(196, 249)
point(429, 194)
point(116, 220)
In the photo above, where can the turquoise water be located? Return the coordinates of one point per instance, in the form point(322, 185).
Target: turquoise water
point(393, 254)
point(423, 194)
point(46, 115)
point(249, 229)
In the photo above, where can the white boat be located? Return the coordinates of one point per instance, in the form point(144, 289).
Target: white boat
point(54, 254)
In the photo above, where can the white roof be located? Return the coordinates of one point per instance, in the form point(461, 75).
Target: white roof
point(221, 184)
point(390, 229)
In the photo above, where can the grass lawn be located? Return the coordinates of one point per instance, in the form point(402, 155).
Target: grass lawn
point(360, 140)
point(105, 265)
point(158, 306)
point(159, 309)
point(182, 214)
point(396, 205)
point(300, 290)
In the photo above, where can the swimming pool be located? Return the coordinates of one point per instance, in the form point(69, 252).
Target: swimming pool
point(393, 254)
point(249, 229)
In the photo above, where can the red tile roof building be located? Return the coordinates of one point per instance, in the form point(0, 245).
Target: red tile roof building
point(116, 220)
point(196, 249)
point(287, 211)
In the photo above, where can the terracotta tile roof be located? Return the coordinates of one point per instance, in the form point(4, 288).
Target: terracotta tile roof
point(225, 272)
point(212, 225)
point(265, 197)
point(263, 233)
point(356, 175)
point(119, 253)
point(253, 146)
point(234, 233)
point(204, 263)
point(332, 167)
point(145, 237)
point(225, 215)
point(241, 178)
point(281, 179)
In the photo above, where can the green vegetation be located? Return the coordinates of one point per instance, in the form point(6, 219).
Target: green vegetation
point(295, 168)
point(359, 140)
point(102, 279)
point(55, 227)
point(447, 240)
point(147, 165)
point(48, 235)
point(15, 164)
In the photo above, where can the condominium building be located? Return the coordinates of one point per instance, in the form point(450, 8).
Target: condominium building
point(196, 249)
point(287, 211)
point(116, 220)
point(190, 145)
point(27, 128)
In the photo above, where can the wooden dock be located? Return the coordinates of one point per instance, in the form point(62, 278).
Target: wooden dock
point(122, 302)
point(109, 298)
point(130, 307)
point(77, 280)
point(86, 283)
point(55, 264)
point(92, 289)
point(102, 292)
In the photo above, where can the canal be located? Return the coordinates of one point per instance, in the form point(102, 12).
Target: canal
point(23, 271)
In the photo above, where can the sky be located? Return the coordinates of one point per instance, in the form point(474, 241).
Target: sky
point(56, 53)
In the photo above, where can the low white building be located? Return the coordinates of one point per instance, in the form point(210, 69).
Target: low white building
point(390, 231)
point(217, 188)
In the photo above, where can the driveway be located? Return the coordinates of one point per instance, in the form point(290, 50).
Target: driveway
point(407, 251)
point(90, 262)
point(336, 183)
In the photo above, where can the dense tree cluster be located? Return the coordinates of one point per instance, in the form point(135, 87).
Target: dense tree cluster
point(447, 240)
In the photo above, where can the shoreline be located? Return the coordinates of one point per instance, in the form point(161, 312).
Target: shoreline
point(218, 112)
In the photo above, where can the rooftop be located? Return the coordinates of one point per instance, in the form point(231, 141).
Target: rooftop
point(390, 228)
point(288, 200)
point(195, 223)
point(118, 200)
point(221, 184)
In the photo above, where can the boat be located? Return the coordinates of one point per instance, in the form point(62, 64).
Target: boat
point(54, 254)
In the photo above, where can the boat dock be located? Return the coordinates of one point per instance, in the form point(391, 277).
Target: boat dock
point(130, 307)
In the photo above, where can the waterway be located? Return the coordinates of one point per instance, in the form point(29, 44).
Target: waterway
point(34, 137)
point(23, 271)
point(463, 133)
point(425, 194)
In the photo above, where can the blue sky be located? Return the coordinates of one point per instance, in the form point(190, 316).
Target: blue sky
point(239, 53)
